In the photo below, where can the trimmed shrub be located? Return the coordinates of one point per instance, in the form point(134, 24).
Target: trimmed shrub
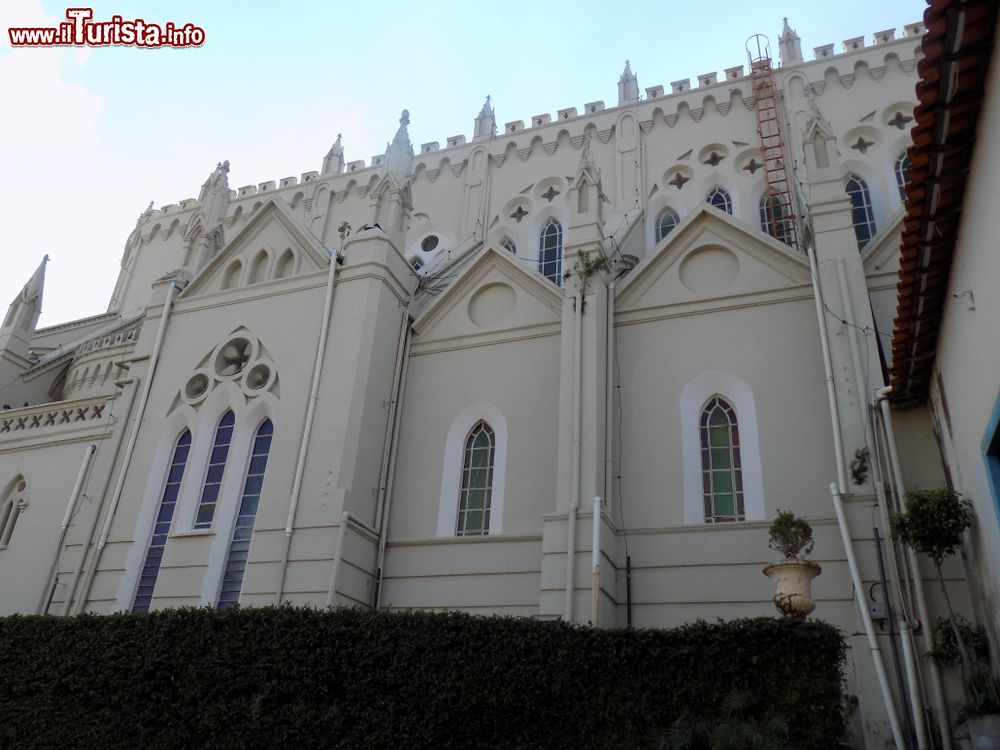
point(349, 678)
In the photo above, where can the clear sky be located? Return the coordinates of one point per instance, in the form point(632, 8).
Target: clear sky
point(88, 137)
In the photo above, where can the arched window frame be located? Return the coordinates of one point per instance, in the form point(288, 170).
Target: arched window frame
point(666, 222)
point(11, 507)
point(774, 220)
point(150, 571)
point(211, 487)
point(478, 462)
point(862, 214)
point(550, 251)
point(721, 467)
point(698, 391)
point(238, 550)
point(509, 245)
point(901, 168)
point(720, 198)
point(453, 462)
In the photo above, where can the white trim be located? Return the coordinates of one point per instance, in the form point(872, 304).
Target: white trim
point(451, 472)
point(693, 398)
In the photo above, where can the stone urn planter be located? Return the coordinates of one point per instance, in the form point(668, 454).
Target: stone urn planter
point(793, 585)
point(792, 576)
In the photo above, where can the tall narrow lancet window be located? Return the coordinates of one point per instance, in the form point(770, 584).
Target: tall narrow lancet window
point(216, 468)
point(775, 218)
point(239, 546)
point(720, 199)
point(721, 473)
point(161, 525)
point(902, 169)
point(550, 252)
point(477, 482)
point(665, 223)
point(862, 216)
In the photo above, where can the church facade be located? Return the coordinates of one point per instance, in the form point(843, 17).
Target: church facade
point(564, 368)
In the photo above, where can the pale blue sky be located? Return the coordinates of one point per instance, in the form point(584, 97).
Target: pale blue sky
point(89, 137)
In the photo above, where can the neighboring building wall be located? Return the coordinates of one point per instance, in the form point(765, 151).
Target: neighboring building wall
point(965, 391)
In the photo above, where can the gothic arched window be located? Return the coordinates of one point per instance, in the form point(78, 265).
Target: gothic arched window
point(719, 198)
point(722, 475)
point(477, 482)
point(666, 222)
point(775, 218)
point(216, 468)
point(862, 216)
point(902, 170)
point(239, 546)
point(509, 245)
point(161, 524)
point(550, 252)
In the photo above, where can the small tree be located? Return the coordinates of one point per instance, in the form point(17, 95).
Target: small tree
point(933, 523)
point(791, 535)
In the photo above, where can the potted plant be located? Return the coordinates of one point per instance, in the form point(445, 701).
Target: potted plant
point(933, 523)
point(793, 537)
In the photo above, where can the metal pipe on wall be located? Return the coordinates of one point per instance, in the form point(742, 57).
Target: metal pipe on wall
point(293, 499)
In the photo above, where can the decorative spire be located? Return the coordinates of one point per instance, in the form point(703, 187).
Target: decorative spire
point(628, 86)
point(27, 305)
point(333, 162)
point(214, 198)
point(586, 157)
point(486, 122)
point(789, 46)
point(399, 153)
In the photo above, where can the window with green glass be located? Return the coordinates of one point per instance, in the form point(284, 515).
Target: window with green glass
point(722, 478)
point(477, 482)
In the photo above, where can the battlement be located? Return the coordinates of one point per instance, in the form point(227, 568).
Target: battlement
point(710, 82)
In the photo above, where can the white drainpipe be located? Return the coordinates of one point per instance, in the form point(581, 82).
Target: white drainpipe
point(293, 500)
point(837, 491)
point(609, 411)
point(595, 561)
point(382, 522)
point(574, 501)
point(916, 707)
point(88, 454)
point(937, 690)
point(71, 584)
point(116, 495)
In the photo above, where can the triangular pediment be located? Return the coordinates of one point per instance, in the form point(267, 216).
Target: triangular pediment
point(882, 253)
point(711, 255)
point(272, 244)
point(496, 291)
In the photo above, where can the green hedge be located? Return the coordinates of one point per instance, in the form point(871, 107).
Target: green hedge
point(303, 678)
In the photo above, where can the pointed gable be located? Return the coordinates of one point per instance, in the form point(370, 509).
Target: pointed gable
point(712, 255)
point(882, 253)
point(497, 291)
point(273, 244)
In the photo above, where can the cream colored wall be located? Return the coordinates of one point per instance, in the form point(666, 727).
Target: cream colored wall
point(966, 388)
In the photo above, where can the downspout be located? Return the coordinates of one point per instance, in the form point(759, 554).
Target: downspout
point(116, 495)
point(85, 547)
point(860, 380)
point(574, 500)
point(837, 491)
point(937, 690)
point(595, 562)
point(293, 500)
point(383, 520)
point(74, 495)
point(609, 411)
